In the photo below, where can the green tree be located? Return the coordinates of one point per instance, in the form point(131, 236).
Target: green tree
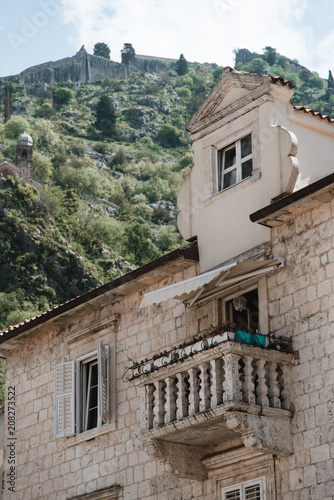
point(181, 66)
point(41, 167)
point(169, 136)
point(258, 65)
point(128, 54)
point(101, 49)
point(330, 80)
point(105, 117)
point(44, 134)
point(62, 96)
point(138, 238)
point(315, 81)
point(270, 55)
point(15, 127)
point(293, 78)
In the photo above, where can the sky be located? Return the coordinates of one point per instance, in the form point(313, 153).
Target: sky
point(36, 31)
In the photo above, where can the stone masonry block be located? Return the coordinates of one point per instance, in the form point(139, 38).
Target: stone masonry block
point(320, 454)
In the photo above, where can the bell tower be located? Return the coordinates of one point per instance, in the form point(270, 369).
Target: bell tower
point(24, 155)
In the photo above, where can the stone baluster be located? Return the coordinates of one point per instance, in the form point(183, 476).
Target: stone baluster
point(170, 406)
point(232, 383)
point(204, 392)
point(159, 399)
point(248, 385)
point(262, 389)
point(193, 391)
point(273, 391)
point(216, 382)
point(181, 400)
point(147, 408)
point(285, 393)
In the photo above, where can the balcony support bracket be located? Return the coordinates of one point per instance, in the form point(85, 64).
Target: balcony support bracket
point(179, 459)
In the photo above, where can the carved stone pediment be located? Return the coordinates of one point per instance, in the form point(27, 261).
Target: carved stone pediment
point(234, 90)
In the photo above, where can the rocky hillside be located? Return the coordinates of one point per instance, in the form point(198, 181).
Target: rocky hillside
point(111, 176)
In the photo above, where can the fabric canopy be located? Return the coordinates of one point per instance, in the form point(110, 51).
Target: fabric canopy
point(208, 284)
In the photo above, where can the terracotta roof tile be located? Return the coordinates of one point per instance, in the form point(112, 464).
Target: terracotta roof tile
point(314, 113)
point(281, 81)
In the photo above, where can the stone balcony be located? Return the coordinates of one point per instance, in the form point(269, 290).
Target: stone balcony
point(214, 396)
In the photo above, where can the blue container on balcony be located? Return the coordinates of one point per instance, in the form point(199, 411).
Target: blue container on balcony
point(250, 338)
point(243, 336)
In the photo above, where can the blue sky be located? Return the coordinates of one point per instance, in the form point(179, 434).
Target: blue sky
point(36, 31)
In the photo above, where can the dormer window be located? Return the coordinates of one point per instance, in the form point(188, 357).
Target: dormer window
point(235, 162)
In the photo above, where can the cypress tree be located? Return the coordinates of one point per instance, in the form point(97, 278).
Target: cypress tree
point(105, 117)
point(330, 80)
point(182, 66)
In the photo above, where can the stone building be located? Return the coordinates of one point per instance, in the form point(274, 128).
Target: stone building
point(23, 166)
point(129, 392)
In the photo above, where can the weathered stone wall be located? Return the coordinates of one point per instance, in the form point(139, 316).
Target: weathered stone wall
point(100, 68)
point(58, 468)
point(150, 64)
point(300, 305)
point(84, 67)
point(301, 299)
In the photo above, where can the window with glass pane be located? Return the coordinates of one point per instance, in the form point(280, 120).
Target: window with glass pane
point(90, 394)
point(249, 490)
point(235, 163)
point(82, 389)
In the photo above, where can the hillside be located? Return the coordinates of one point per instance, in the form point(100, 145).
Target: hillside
point(110, 187)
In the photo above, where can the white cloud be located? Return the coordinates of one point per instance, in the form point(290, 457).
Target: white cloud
point(202, 31)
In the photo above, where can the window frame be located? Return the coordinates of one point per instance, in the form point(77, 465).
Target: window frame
point(71, 406)
point(229, 298)
point(261, 481)
point(261, 285)
point(221, 153)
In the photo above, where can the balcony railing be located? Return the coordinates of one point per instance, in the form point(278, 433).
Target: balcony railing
point(213, 392)
point(229, 373)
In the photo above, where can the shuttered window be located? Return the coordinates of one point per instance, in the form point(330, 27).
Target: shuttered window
point(64, 399)
point(250, 490)
point(82, 390)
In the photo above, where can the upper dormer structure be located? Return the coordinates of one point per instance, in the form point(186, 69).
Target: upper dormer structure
point(251, 146)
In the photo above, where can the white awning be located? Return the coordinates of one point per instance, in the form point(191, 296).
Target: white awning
point(207, 285)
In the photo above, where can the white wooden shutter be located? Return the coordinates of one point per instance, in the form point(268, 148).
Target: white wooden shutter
point(232, 495)
point(249, 490)
point(64, 399)
point(103, 369)
point(253, 492)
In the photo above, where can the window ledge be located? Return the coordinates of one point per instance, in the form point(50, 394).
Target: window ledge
point(112, 492)
point(253, 178)
point(89, 435)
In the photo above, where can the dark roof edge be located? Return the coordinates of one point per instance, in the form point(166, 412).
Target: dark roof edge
point(292, 198)
point(188, 253)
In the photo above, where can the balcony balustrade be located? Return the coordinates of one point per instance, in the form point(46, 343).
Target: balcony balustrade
point(217, 392)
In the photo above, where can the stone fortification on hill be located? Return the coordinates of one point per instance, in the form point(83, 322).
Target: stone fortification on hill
point(84, 67)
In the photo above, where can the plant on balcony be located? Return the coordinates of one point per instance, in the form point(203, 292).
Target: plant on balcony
point(228, 326)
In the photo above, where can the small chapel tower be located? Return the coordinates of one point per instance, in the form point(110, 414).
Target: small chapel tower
point(24, 155)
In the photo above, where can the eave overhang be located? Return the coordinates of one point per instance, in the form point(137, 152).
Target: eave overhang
point(275, 213)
